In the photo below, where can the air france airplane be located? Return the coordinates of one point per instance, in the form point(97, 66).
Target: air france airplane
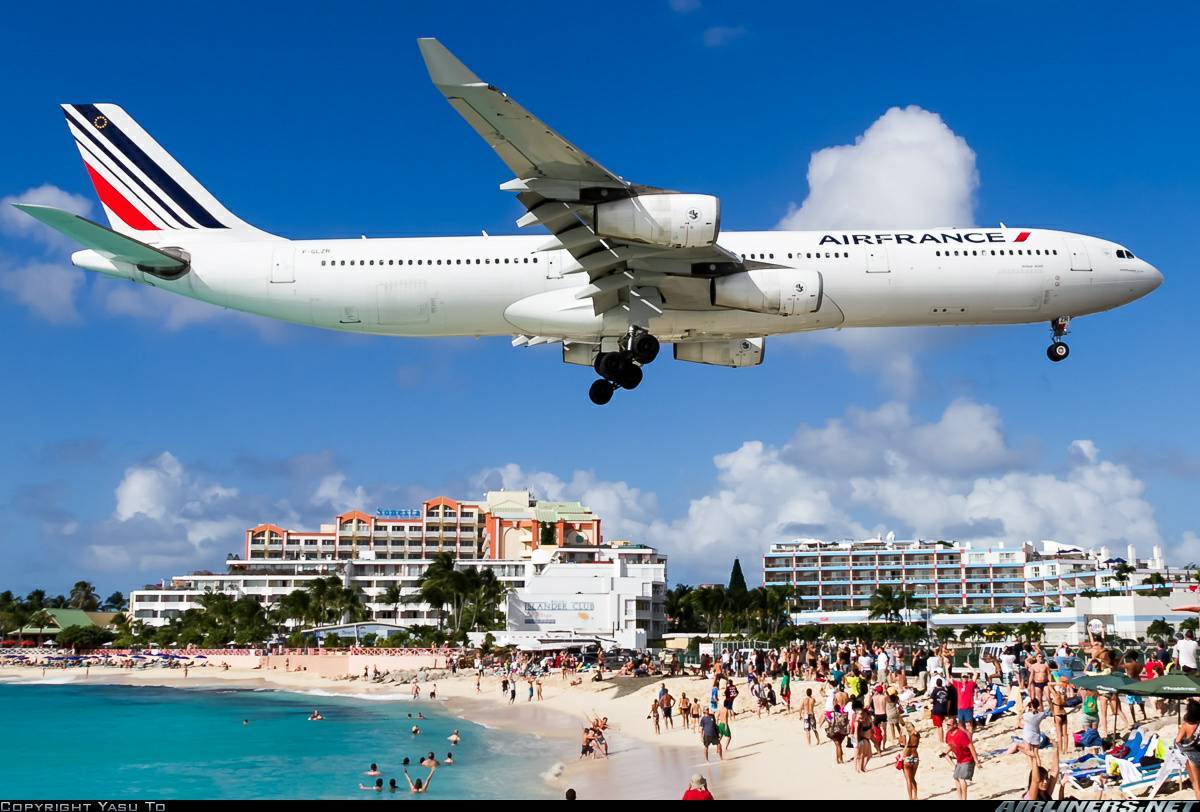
point(625, 266)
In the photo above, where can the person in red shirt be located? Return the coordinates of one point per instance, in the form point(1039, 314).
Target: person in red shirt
point(698, 790)
point(964, 688)
point(961, 748)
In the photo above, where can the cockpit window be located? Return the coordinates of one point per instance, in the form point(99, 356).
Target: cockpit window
point(1123, 254)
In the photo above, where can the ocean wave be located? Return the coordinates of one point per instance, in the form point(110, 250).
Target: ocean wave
point(348, 695)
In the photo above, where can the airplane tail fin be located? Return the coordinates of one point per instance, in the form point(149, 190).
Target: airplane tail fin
point(142, 188)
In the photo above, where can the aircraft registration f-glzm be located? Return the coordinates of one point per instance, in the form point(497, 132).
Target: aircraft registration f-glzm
point(626, 265)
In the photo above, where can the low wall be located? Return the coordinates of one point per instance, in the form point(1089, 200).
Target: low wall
point(337, 665)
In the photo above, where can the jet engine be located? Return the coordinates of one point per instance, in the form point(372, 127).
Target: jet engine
point(776, 291)
point(738, 352)
point(670, 220)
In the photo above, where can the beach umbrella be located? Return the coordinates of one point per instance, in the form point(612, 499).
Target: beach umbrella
point(1169, 685)
point(1103, 682)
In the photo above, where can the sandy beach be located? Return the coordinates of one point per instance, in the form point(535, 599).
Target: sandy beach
point(769, 757)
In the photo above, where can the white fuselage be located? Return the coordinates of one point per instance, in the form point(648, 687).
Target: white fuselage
point(482, 286)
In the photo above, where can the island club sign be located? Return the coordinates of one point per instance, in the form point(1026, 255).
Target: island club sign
point(942, 238)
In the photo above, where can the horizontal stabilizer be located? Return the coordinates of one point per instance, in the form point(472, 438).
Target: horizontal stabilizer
point(108, 243)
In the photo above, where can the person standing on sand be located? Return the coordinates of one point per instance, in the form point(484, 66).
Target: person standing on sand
point(667, 703)
point(808, 718)
point(785, 691)
point(961, 748)
point(685, 710)
point(910, 758)
point(724, 717)
point(538, 683)
point(837, 726)
point(864, 730)
point(654, 715)
point(709, 735)
point(879, 716)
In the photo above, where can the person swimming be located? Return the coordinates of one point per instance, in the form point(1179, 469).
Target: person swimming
point(429, 760)
point(415, 730)
point(316, 716)
point(392, 786)
point(376, 787)
point(374, 769)
point(454, 738)
point(417, 785)
point(449, 759)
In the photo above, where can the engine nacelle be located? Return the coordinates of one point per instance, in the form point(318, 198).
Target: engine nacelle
point(670, 220)
point(777, 291)
point(738, 352)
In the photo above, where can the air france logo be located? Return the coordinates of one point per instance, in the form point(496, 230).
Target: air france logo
point(693, 214)
point(939, 237)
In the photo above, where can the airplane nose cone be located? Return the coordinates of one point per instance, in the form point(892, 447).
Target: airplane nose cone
point(1154, 278)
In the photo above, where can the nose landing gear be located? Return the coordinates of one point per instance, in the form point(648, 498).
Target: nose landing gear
point(622, 369)
point(1058, 349)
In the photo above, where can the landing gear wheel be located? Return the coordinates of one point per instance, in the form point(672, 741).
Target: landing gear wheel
point(1057, 351)
point(607, 365)
point(629, 375)
point(601, 392)
point(644, 348)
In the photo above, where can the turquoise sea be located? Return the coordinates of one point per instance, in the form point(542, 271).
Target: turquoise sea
point(81, 741)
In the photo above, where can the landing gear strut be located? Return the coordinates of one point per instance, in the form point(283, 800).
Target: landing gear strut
point(1058, 349)
point(622, 369)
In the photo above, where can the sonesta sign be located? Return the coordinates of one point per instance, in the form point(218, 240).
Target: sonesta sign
point(904, 238)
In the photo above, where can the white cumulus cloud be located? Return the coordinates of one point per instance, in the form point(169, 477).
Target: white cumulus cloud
point(908, 170)
point(17, 223)
point(957, 476)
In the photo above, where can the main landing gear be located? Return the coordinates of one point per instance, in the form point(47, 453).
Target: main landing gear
point(622, 369)
point(1058, 350)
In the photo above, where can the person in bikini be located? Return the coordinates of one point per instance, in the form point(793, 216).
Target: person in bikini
point(910, 758)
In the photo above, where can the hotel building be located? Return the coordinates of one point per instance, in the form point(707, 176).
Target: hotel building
point(957, 583)
point(842, 576)
point(502, 532)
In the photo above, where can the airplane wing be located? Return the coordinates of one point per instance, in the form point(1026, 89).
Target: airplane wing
point(108, 243)
point(561, 187)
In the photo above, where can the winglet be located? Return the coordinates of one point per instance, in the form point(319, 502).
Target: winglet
point(444, 67)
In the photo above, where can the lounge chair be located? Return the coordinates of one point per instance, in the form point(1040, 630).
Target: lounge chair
point(1136, 779)
point(1139, 744)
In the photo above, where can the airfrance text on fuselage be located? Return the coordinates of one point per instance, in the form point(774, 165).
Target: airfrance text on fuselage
point(917, 239)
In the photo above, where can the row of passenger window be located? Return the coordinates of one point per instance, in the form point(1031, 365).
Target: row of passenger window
point(798, 255)
point(477, 261)
point(1020, 252)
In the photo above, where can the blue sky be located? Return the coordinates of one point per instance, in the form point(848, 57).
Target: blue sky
point(143, 434)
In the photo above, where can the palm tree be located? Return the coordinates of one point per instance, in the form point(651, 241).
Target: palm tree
point(393, 596)
point(40, 619)
point(971, 633)
point(441, 585)
point(115, 603)
point(1031, 630)
point(680, 617)
point(1160, 630)
point(295, 606)
point(1190, 625)
point(943, 634)
point(83, 596)
point(490, 591)
point(1121, 573)
point(888, 603)
point(711, 603)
